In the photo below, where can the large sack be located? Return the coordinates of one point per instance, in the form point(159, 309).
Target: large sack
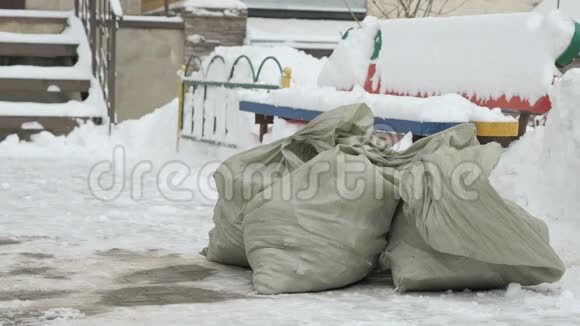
point(456, 232)
point(246, 174)
point(320, 227)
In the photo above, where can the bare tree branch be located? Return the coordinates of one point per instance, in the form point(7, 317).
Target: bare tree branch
point(448, 11)
point(403, 5)
point(417, 6)
point(352, 13)
point(382, 10)
point(429, 9)
point(414, 8)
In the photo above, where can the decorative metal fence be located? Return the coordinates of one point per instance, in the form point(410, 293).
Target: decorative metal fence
point(209, 106)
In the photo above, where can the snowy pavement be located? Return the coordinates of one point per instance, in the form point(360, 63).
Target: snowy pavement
point(70, 258)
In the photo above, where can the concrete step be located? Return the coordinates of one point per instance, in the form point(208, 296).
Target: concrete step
point(41, 88)
point(25, 126)
point(33, 21)
point(38, 50)
point(47, 85)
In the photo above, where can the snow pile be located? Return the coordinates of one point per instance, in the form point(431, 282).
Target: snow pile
point(446, 108)
point(305, 68)
point(570, 8)
point(541, 171)
point(348, 64)
point(153, 136)
point(116, 7)
point(485, 56)
point(58, 314)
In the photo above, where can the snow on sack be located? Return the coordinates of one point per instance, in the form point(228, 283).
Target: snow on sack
point(486, 56)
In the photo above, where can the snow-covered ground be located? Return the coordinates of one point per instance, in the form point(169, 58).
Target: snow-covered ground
point(68, 257)
point(106, 230)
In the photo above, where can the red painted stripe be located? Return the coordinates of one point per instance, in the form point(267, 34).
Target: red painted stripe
point(515, 103)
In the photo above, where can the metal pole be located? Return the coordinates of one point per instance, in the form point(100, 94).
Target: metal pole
point(93, 32)
point(180, 96)
point(166, 7)
point(77, 8)
point(558, 5)
point(112, 68)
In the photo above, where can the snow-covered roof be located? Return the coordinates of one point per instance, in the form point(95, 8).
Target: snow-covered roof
point(357, 6)
point(209, 4)
point(570, 8)
point(296, 33)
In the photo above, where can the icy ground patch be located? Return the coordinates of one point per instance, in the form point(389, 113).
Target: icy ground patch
point(69, 258)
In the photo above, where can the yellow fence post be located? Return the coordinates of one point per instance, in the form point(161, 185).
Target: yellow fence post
point(180, 95)
point(286, 77)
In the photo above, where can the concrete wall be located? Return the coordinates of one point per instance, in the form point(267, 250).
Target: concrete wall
point(147, 62)
point(467, 7)
point(50, 4)
point(206, 32)
point(130, 7)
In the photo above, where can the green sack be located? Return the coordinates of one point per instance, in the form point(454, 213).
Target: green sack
point(246, 174)
point(320, 227)
point(452, 236)
point(450, 229)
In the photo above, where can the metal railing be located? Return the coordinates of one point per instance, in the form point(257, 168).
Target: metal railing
point(101, 19)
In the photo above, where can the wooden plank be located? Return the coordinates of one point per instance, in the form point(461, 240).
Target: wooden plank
point(42, 85)
point(497, 129)
point(42, 50)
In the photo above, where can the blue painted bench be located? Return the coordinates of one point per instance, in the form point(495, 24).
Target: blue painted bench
point(502, 132)
point(392, 125)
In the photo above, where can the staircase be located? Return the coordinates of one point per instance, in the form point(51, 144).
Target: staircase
point(46, 80)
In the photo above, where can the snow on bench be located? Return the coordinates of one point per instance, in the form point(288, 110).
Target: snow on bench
point(421, 116)
point(505, 60)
